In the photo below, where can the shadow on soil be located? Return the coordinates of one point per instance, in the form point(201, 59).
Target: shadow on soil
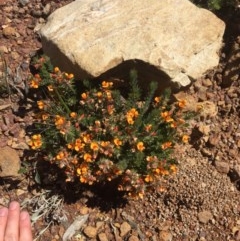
point(47, 176)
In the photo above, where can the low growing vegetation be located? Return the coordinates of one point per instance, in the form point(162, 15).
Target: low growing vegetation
point(96, 135)
point(215, 5)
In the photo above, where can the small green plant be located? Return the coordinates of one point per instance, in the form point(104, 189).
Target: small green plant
point(215, 5)
point(97, 135)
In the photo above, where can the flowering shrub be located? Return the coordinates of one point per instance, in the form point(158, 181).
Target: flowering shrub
point(97, 135)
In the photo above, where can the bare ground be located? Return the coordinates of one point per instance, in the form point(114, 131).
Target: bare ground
point(201, 202)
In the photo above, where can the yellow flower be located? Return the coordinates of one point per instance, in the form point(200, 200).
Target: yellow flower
point(185, 138)
point(40, 104)
point(36, 141)
point(182, 103)
point(140, 146)
point(166, 145)
point(117, 142)
point(94, 146)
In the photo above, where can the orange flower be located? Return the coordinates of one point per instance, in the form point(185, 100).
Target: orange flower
point(141, 195)
point(106, 84)
point(105, 143)
point(166, 116)
point(69, 76)
point(56, 70)
point(73, 114)
point(149, 158)
point(157, 99)
point(131, 114)
point(148, 178)
point(130, 120)
point(185, 138)
point(182, 103)
point(40, 104)
point(166, 145)
point(87, 157)
point(84, 96)
point(78, 145)
point(86, 138)
point(36, 141)
point(174, 124)
point(59, 121)
point(110, 109)
point(108, 94)
point(148, 127)
point(94, 146)
point(99, 94)
point(60, 155)
point(50, 88)
point(34, 84)
point(117, 142)
point(140, 146)
point(70, 146)
point(173, 168)
point(161, 171)
point(45, 116)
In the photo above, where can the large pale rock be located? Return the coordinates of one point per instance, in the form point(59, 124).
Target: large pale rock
point(164, 40)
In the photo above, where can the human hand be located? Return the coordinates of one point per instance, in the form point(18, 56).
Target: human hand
point(15, 225)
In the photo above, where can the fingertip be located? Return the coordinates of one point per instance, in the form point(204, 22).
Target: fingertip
point(13, 205)
point(3, 212)
point(24, 216)
point(25, 227)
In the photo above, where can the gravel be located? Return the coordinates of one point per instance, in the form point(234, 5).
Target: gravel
point(200, 202)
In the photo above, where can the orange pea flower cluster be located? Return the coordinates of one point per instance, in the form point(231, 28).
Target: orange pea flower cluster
point(131, 115)
point(35, 81)
point(105, 135)
point(35, 142)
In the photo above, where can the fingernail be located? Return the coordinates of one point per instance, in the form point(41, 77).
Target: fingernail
point(13, 205)
point(23, 215)
point(3, 212)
